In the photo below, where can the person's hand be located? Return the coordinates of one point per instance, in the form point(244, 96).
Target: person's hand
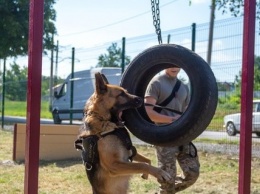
point(175, 117)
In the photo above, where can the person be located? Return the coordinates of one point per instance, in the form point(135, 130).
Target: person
point(159, 89)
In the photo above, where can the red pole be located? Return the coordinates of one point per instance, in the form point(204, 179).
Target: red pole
point(247, 97)
point(33, 96)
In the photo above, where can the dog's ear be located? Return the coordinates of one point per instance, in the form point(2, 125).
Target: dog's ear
point(101, 86)
point(104, 78)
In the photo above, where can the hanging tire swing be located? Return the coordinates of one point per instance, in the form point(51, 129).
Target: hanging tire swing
point(203, 89)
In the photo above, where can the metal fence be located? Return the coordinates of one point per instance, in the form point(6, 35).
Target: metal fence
point(226, 52)
point(226, 60)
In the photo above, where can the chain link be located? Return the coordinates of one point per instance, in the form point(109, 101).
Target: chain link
point(156, 19)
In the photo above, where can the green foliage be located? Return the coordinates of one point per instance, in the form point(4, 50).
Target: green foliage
point(257, 73)
point(238, 77)
point(14, 27)
point(113, 58)
point(235, 7)
point(230, 102)
point(16, 83)
point(230, 106)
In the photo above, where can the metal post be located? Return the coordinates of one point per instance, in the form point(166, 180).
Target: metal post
point(3, 95)
point(245, 152)
point(32, 140)
point(56, 64)
point(123, 55)
point(51, 77)
point(72, 84)
point(211, 30)
point(193, 36)
point(169, 39)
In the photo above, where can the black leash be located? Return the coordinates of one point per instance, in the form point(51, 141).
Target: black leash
point(163, 107)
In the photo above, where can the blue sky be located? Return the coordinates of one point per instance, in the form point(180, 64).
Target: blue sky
point(85, 23)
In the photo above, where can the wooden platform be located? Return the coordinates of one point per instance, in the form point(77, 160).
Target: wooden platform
point(56, 142)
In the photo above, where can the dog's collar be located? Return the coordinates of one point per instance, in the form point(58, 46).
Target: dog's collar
point(105, 132)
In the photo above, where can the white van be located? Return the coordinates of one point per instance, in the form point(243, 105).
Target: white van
point(83, 88)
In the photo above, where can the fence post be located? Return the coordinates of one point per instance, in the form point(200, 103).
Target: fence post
point(168, 38)
point(123, 55)
point(51, 76)
point(193, 36)
point(72, 84)
point(247, 86)
point(3, 95)
point(56, 64)
point(32, 145)
point(211, 30)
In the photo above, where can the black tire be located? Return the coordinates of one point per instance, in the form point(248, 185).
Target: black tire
point(204, 95)
point(231, 129)
point(56, 118)
point(257, 134)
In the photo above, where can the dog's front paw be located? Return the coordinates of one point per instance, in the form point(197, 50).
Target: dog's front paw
point(163, 176)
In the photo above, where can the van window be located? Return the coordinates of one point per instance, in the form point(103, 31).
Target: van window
point(63, 89)
point(258, 107)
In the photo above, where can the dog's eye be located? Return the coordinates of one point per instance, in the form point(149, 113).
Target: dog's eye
point(122, 94)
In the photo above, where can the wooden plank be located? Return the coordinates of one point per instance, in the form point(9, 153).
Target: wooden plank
point(51, 139)
point(52, 129)
point(56, 142)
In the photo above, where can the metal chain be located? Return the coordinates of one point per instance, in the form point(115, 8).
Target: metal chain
point(156, 19)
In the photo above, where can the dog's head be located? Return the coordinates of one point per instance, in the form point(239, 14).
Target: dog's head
point(115, 98)
point(108, 101)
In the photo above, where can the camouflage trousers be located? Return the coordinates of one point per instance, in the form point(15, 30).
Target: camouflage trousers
point(188, 162)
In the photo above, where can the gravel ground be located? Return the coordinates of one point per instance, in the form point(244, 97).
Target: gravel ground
point(214, 148)
point(224, 148)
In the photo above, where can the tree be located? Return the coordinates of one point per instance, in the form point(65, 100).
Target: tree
point(113, 58)
point(238, 77)
point(235, 7)
point(14, 26)
point(16, 83)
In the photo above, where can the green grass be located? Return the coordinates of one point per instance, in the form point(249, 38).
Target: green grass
point(218, 174)
point(16, 108)
point(217, 141)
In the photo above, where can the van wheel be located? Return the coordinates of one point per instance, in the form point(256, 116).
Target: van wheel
point(56, 118)
point(202, 106)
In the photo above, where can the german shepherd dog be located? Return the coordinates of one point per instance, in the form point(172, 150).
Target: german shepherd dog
point(107, 150)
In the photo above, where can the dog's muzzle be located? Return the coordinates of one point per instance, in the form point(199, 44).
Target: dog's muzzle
point(138, 101)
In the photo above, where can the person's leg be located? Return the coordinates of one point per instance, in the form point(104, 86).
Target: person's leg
point(189, 163)
point(167, 161)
